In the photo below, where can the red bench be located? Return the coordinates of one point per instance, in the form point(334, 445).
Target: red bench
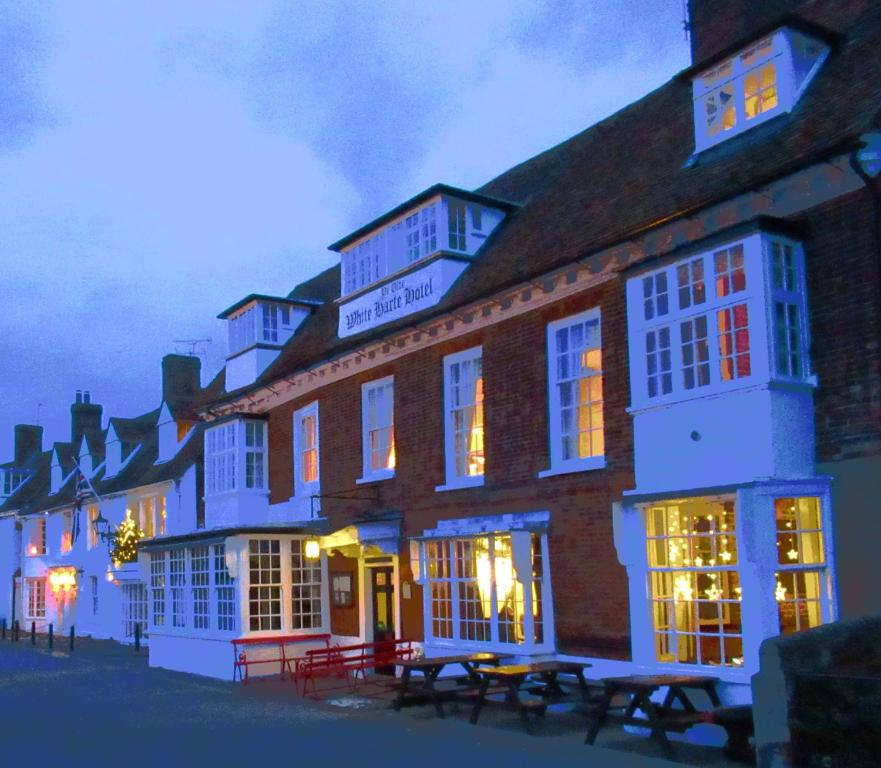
point(341, 660)
point(240, 646)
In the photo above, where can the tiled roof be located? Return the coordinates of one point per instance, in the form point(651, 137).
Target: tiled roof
point(630, 172)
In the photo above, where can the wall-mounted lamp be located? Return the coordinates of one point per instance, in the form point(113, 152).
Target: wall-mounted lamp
point(312, 550)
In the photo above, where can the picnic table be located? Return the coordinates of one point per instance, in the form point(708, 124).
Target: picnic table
point(430, 668)
point(539, 678)
point(659, 718)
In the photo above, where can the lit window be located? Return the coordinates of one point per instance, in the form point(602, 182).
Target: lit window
point(67, 532)
point(708, 338)
point(36, 598)
point(378, 428)
point(199, 586)
point(476, 595)
point(733, 325)
point(694, 582)
point(92, 516)
point(306, 451)
point(341, 585)
point(801, 561)
point(146, 513)
point(264, 597)
point(37, 545)
point(463, 424)
point(576, 392)
point(754, 85)
point(305, 588)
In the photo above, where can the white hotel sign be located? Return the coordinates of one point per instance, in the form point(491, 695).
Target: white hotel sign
point(398, 298)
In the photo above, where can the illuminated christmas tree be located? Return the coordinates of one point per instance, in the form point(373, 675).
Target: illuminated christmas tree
point(125, 545)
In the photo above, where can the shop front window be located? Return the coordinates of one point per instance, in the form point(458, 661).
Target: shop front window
point(694, 582)
point(801, 560)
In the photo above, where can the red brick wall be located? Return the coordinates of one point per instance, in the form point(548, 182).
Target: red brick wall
point(844, 307)
point(589, 585)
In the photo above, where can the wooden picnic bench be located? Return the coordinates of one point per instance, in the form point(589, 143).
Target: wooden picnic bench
point(343, 660)
point(659, 718)
point(541, 678)
point(241, 646)
point(430, 668)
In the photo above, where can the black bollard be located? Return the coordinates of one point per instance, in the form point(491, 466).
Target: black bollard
point(15, 630)
point(33, 633)
point(51, 633)
point(137, 637)
point(3, 628)
point(71, 639)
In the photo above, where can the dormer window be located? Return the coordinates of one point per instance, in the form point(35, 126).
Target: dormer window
point(12, 479)
point(262, 320)
point(757, 83)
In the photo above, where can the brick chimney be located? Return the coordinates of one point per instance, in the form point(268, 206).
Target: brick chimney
point(180, 378)
point(85, 417)
point(716, 24)
point(28, 442)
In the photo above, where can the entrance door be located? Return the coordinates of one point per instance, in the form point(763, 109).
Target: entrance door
point(383, 596)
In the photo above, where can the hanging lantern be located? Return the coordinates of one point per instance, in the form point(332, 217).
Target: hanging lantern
point(312, 550)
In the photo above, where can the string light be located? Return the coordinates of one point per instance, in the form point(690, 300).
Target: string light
point(780, 592)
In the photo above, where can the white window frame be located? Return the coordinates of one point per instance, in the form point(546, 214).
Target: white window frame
point(134, 608)
point(35, 602)
point(305, 490)
point(780, 51)
point(560, 466)
point(454, 581)
point(225, 468)
point(260, 450)
point(223, 593)
point(368, 474)
point(454, 480)
point(759, 296)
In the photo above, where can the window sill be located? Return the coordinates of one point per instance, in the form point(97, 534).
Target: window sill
point(376, 477)
point(586, 465)
point(461, 483)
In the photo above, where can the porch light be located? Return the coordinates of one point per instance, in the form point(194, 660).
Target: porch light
point(312, 550)
point(32, 549)
point(62, 580)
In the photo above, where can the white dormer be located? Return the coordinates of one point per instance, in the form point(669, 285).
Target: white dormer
point(112, 452)
point(172, 433)
point(759, 82)
point(84, 458)
point(56, 472)
point(10, 481)
point(259, 326)
point(407, 259)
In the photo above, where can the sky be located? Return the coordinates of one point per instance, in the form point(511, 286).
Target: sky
point(160, 160)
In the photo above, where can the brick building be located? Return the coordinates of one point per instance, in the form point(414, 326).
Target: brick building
point(619, 404)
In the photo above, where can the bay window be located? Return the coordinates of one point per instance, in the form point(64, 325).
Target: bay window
point(575, 397)
point(800, 578)
point(731, 304)
point(486, 589)
point(378, 429)
point(305, 588)
point(235, 456)
point(177, 581)
point(694, 582)
point(464, 419)
point(264, 596)
point(157, 587)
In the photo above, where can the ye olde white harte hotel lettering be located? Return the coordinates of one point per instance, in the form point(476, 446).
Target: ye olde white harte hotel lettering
point(401, 297)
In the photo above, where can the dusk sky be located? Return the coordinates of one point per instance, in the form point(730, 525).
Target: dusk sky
point(158, 161)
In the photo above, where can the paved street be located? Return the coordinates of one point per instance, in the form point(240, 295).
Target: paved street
point(104, 706)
